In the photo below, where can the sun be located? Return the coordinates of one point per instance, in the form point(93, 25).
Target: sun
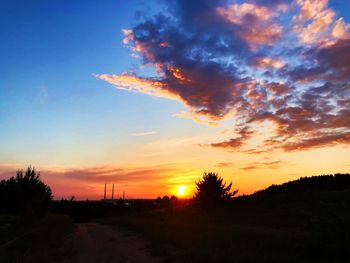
point(181, 190)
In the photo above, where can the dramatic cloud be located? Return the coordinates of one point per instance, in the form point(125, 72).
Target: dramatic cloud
point(254, 24)
point(237, 142)
point(274, 62)
point(314, 21)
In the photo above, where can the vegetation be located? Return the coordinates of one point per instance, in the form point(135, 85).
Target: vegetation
point(212, 189)
point(330, 182)
point(311, 226)
point(42, 241)
point(25, 194)
point(167, 201)
point(306, 220)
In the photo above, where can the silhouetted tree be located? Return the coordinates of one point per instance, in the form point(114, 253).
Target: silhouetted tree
point(25, 194)
point(212, 189)
point(158, 200)
point(174, 200)
point(166, 201)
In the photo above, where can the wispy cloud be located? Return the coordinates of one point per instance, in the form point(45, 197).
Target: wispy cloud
point(264, 165)
point(224, 164)
point(138, 134)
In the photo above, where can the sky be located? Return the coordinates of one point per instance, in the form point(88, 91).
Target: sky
point(150, 94)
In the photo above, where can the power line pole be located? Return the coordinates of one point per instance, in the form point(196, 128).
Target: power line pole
point(104, 196)
point(112, 192)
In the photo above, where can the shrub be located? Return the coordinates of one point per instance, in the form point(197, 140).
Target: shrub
point(25, 194)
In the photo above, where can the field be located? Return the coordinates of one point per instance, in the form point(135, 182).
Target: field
point(43, 241)
point(304, 227)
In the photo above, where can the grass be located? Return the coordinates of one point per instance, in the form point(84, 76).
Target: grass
point(304, 227)
point(39, 242)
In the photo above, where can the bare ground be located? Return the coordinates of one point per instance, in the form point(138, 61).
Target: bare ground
point(93, 242)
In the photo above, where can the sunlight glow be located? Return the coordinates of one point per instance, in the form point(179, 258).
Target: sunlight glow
point(181, 190)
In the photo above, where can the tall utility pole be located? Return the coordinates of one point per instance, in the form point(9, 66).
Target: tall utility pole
point(124, 195)
point(104, 196)
point(112, 191)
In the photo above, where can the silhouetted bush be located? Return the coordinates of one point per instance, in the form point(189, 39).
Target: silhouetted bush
point(167, 201)
point(212, 189)
point(25, 194)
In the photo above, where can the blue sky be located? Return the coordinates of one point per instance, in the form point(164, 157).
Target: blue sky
point(49, 96)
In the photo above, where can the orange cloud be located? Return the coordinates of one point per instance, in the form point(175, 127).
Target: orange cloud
point(243, 135)
point(315, 23)
point(341, 30)
point(310, 8)
point(224, 164)
point(318, 141)
point(256, 22)
point(268, 62)
point(136, 84)
point(264, 165)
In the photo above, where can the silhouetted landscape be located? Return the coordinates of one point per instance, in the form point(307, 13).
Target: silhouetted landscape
point(175, 131)
point(305, 220)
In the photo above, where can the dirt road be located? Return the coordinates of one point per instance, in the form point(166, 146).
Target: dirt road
point(95, 242)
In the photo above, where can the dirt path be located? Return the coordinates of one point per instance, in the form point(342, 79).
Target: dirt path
point(95, 242)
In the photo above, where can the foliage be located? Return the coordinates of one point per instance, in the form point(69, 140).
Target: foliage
point(25, 194)
point(167, 201)
point(212, 189)
point(320, 183)
point(289, 228)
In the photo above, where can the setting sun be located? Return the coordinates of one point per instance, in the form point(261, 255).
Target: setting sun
point(181, 190)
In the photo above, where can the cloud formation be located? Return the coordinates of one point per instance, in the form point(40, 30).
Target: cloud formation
point(285, 63)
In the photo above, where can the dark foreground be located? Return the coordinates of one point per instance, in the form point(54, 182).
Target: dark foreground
point(57, 239)
point(271, 226)
point(303, 227)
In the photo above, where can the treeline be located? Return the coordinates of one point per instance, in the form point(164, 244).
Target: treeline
point(331, 182)
point(25, 194)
